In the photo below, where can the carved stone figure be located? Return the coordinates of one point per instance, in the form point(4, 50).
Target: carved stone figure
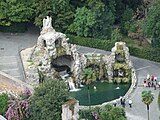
point(47, 22)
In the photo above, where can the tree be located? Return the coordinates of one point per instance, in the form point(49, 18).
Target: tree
point(84, 20)
point(93, 19)
point(147, 98)
point(61, 12)
point(126, 20)
point(87, 75)
point(15, 11)
point(151, 27)
point(46, 103)
point(121, 6)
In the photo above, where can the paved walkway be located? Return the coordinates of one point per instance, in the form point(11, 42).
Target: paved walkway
point(10, 63)
point(10, 45)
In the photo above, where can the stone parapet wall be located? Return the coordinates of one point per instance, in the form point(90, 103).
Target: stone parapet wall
point(11, 85)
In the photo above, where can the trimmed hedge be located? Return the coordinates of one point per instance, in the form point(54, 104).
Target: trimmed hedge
point(91, 42)
point(146, 53)
point(14, 28)
point(152, 54)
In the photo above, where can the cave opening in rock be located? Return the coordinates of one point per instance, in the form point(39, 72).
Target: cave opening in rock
point(63, 64)
point(44, 43)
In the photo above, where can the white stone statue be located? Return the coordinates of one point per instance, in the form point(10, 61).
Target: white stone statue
point(47, 22)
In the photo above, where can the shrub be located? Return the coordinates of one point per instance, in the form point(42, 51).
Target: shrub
point(18, 109)
point(146, 53)
point(116, 35)
point(90, 114)
point(3, 103)
point(46, 103)
point(112, 113)
point(108, 112)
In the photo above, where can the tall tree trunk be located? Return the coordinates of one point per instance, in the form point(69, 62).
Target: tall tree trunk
point(89, 99)
point(148, 110)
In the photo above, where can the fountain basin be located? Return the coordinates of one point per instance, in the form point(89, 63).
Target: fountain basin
point(104, 92)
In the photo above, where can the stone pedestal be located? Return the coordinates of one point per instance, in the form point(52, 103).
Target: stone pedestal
point(70, 110)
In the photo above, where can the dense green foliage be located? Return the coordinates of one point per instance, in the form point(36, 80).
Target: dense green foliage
point(152, 24)
point(95, 19)
point(14, 14)
point(107, 112)
point(46, 103)
point(121, 6)
point(89, 18)
point(126, 20)
point(61, 12)
point(15, 11)
point(3, 103)
point(87, 74)
point(84, 21)
point(147, 97)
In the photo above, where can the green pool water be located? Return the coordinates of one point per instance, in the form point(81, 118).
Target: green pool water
point(104, 92)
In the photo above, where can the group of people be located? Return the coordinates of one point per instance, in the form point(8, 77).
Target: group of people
point(123, 102)
point(151, 81)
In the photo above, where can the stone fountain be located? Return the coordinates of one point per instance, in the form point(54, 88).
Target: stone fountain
point(54, 57)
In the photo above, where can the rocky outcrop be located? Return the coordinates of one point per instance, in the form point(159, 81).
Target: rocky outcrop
point(54, 57)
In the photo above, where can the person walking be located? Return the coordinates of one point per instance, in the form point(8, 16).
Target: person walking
point(152, 77)
point(155, 84)
point(159, 84)
point(144, 83)
point(114, 103)
point(148, 77)
point(152, 80)
point(123, 102)
point(149, 84)
point(130, 103)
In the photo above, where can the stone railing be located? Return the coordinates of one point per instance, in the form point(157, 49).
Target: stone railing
point(133, 85)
